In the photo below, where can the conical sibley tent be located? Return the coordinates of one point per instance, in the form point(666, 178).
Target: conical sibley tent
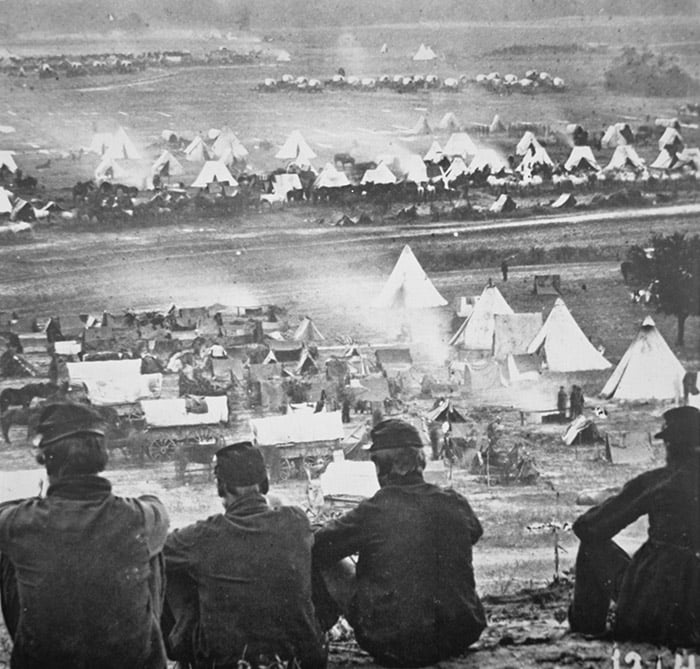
point(197, 151)
point(625, 157)
point(308, 332)
point(121, 147)
point(422, 127)
point(649, 370)
point(214, 171)
point(167, 165)
point(296, 149)
point(330, 177)
point(460, 144)
point(408, 286)
point(435, 154)
point(449, 122)
point(476, 332)
point(229, 148)
point(424, 53)
point(566, 348)
point(581, 158)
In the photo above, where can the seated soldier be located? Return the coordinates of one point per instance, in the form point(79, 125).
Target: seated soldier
point(239, 583)
point(81, 570)
point(656, 591)
point(412, 599)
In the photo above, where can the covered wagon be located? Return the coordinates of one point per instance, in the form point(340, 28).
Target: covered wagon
point(298, 441)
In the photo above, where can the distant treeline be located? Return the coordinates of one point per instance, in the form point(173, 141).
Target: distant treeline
point(103, 15)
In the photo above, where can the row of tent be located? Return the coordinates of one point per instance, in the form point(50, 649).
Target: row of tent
point(648, 370)
point(460, 154)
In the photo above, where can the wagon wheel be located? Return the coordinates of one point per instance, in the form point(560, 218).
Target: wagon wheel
point(160, 448)
point(287, 469)
point(203, 435)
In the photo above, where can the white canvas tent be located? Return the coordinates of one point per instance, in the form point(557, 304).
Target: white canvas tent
point(581, 158)
point(477, 331)
point(422, 127)
point(228, 148)
point(434, 154)
point(296, 149)
point(5, 203)
point(114, 381)
point(121, 147)
point(648, 370)
point(503, 203)
point(488, 158)
point(167, 165)
point(196, 151)
point(449, 122)
point(460, 144)
point(424, 53)
point(298, 428)
point(127, 172)
point(535, 155)
point(408, 286)
point(415, 170)
point(214, 171)
point(330, 177)
point(456, 169)
point(526, 142)
point(566, 348)
point(671, 137)
point(624, 157)
point(7, 160)
point(100, 143)
point(616, 135)
point(308, 332)
point(380, 175)
point(496, 125)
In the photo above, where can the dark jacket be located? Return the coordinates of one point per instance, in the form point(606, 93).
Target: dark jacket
point(86, 576)
point(659, 600)
point(252, 569)
point(415, 601)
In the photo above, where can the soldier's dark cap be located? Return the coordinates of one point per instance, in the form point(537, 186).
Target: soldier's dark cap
point(394, 433)
point(240, 465)
point(681, 426)
point(67, 419)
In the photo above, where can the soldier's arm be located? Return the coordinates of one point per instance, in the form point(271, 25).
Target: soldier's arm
point(7, 512)
point(156, 521)
point(180, 549)
point(341, 537)
point(605, 520)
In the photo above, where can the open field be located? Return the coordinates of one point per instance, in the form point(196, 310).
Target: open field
point(331, 273)
point(62, 115)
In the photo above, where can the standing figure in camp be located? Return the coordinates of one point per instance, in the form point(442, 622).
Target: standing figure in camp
point(561, 402)
point(411, 599)
point(657, 591)
point(504, 269)
point(576, 401)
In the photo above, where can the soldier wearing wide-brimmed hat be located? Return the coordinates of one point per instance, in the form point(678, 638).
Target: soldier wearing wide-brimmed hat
point(412, 599)
point(239, 583)
point(657, 591)
point(81, 571)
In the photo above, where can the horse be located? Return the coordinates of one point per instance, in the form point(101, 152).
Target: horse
point(23, 396)
point(19, 416)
